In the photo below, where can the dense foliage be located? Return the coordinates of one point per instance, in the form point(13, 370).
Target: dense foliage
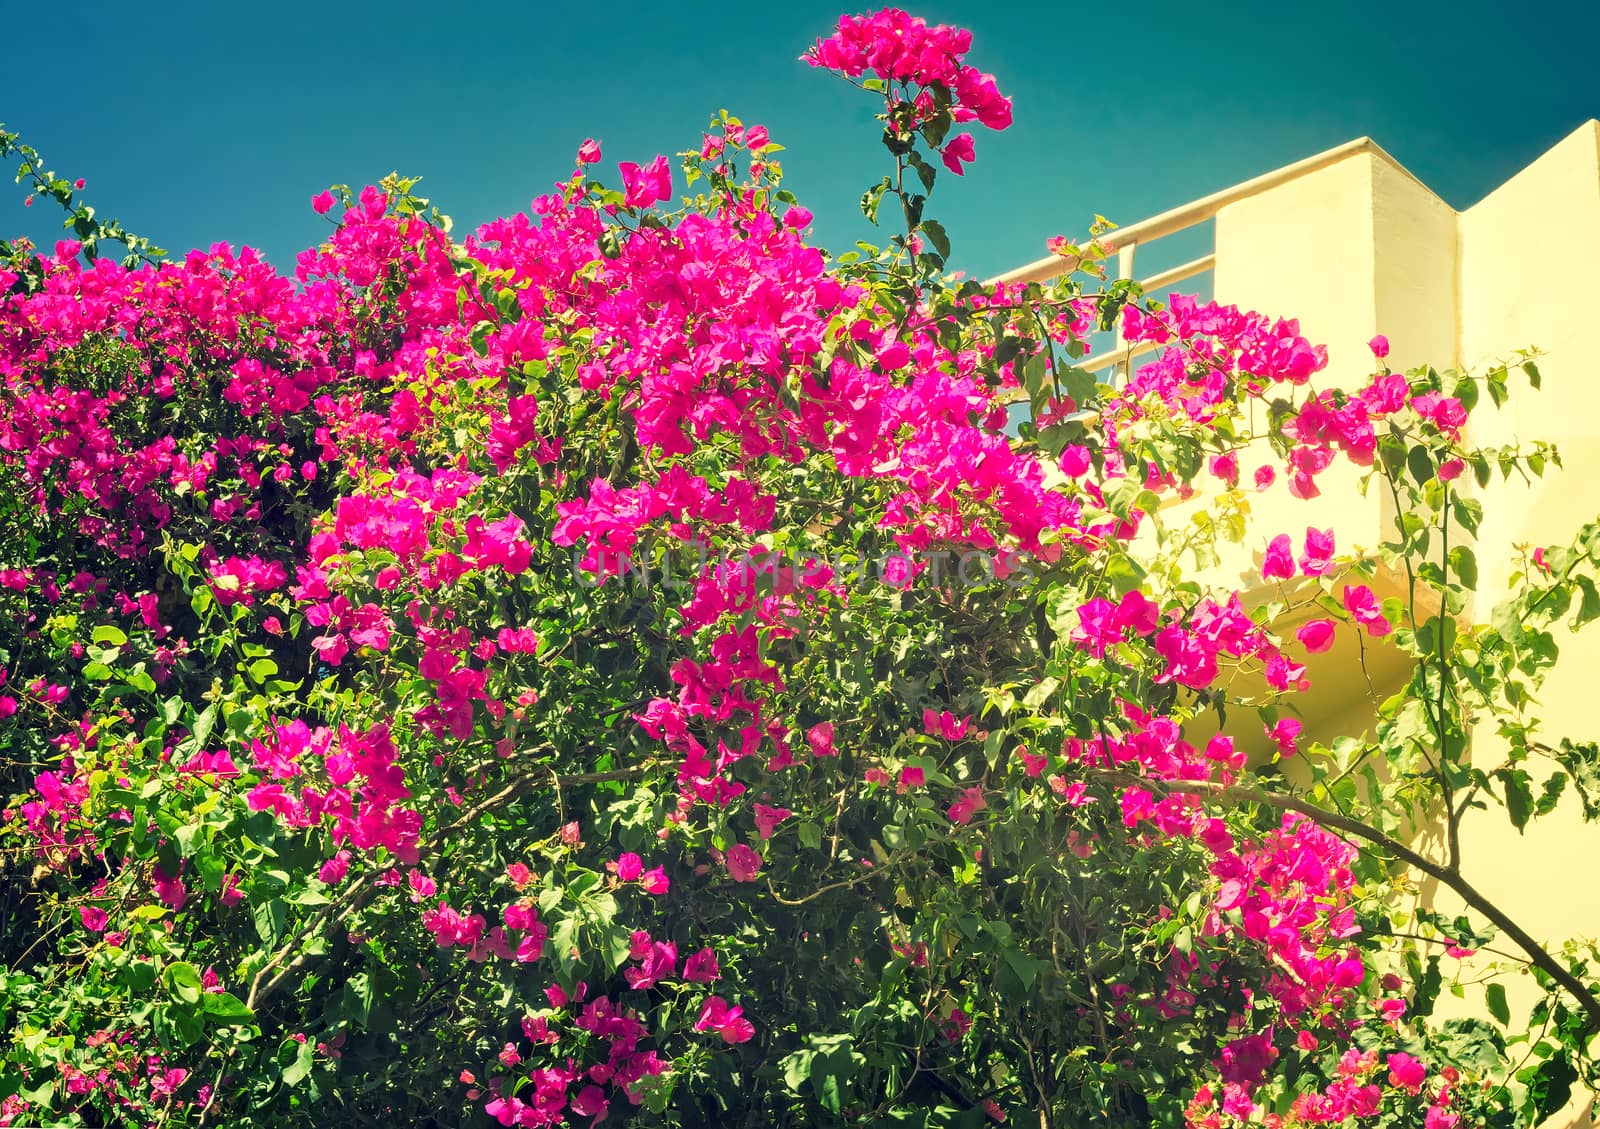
point(627, 663)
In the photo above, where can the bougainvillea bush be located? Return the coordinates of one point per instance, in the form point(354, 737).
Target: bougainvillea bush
point(629, 664)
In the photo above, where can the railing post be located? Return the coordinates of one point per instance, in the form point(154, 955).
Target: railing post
point(1125, 270)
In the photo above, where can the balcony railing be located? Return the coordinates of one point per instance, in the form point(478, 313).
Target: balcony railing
point(1127, 241)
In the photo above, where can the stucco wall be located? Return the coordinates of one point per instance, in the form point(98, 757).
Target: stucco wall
point(1362, 247)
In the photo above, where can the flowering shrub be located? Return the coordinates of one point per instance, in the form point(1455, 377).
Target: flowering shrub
point(627, 664)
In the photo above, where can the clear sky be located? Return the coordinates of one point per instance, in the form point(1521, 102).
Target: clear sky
point(198, 122)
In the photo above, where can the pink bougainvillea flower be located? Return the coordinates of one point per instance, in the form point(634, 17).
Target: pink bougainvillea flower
point(743, 863)
point(1278, 562)
point(768, 818)
point(894, 355)
point(644, 187)
point(957, 150)
point(1225, 467)
point(231, 894)
point(966, 805)
point(1317, 556)
point(1284, 735)
point(654, 881)
point(589, 152)
point(322, 203)
point(165, 1083)
point(333, 870)
point(1364, 609)
point(629, 867)
point(1446, 413)
point(701, 967)
point(1379, 346)
point(945, 725)
point(93, 917)
point(716, 1014)
point(1406, 1072)
point(422, 887)
point(1316, 636)
point(658, 962)
point(169, 888)
point(591, 1102)
point(517, 641)
point(797, 217)
point(911, 776)
point(1265, 477)
point(239, 580)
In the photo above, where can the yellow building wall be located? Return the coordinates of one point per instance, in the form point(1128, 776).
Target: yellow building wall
point(1360, 248)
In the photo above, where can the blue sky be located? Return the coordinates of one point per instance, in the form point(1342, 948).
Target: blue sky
point(198, 122)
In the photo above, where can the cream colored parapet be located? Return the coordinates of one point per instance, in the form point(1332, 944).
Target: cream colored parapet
point(1530, 276)
point(1353, 245)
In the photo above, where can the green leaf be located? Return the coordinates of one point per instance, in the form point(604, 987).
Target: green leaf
point(107, 633)
point(1519, 795)
point(211, 867)
point(1023, 967)
point(935, 232)
point(182, 981)
point(356, 998)
point(203, 724)
point(1589, 603)
point(1420, 463)
point(1041, 693)
point(270, 918)
point(1495, 996)
point(1551, 795)
point(225, 1008)
point(1465, 566)
point(797, 1068)
point(296, 1072)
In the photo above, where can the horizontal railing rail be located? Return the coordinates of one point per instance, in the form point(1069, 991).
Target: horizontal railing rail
point(1126, 241)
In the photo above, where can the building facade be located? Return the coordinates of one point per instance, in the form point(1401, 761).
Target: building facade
point(1353, 245)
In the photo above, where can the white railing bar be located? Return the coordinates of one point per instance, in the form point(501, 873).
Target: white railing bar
point(1125, 255)
point(1123, 352)
point(1179, 273)
point(1198, 211)
point(1120, 356)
